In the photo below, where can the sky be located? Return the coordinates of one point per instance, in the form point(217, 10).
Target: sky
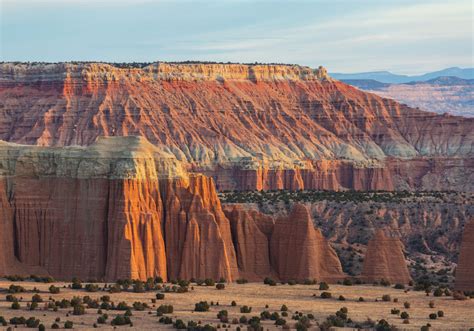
point(402, 36)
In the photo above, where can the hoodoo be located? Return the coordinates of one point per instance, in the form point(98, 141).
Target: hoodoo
point(123, 208)
point(465, 269)
point(384, 260)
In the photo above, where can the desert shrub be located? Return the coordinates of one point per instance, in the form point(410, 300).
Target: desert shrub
point(180, 325)
point(16, 289)
point(404, 315)
point(245, 309)
point(399, 286)
point(160, 296)
point(55, 326)
point(223, 316)
point(37, 298)
point(11, 298)
point(41, 327)
point(165, 309)
point(242, 281)
point(101, 320)
point(438, 292)
point(323, 286)
point(280, 321)
point(233, 303)
point(292, 282)
point(347, 282)
point(243, 319)
point(91, 287)
point(139, 306)
point(383, 325)
point(3, 321)
point(384, 282)
point(284, 308)
point(395, 311)
point(54, 289)
point(433, 316)
point(17, 320)
point(76, 284)
point(386, 298)
point(361, 299)
point(68, 325)
point(15, 305)
point(431, 304)
point(341, 298)
point(33, 306)
point(209, 282)
point(220, 286)
point(326, 295)
point(407, 305)
point(265, 315)
point(269, 281)
point(440, 313)
point(120, 320)
point(122, 306)
point(201, 306)
point(78, 310)
point(32, 322)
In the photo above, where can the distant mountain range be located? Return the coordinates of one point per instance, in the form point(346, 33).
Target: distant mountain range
point(443, 94)
point(388, 77)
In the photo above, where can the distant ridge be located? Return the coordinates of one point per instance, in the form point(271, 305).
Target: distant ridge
point(388, 77)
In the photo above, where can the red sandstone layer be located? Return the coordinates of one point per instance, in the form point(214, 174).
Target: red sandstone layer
point(249, 127)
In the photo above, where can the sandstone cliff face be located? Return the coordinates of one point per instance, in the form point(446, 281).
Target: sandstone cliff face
point(384, 259)
point(248, 126)
point(465, 269)
point(122, 208)
point(297, 248)
point(288, 248)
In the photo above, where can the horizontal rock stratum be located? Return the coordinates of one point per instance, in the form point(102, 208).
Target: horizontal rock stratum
point(123, 208)
point(247, 126)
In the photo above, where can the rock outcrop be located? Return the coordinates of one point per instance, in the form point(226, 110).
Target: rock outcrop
point(465, 269)
point(384, 260)
point(247, 126)
point(122, 208)
point(297, 248)
point(287, 248)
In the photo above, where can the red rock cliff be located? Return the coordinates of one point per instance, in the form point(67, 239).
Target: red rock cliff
point(122, 208)
point(248, 126)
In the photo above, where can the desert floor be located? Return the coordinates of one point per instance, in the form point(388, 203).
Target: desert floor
point(458, 315)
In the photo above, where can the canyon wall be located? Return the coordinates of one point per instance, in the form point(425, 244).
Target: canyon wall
point(123, 208)
point(247, 126)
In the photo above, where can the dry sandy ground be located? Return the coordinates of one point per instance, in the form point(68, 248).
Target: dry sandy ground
point(459, 315)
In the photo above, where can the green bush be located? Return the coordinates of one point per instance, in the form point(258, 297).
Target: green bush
point(404, 315)
point(79, 310)
point(440, 313)
point(15, 305)
point(120, 320)
point(32, 322)
point(165, 309)
point(326, 295)
point(220, 286)
point(201, 306)
point(245, 309)
point(323, 286)
point(17, 320)
point(242, 281)
point(433, 316)
point(54, 289)
point(386, 298)
point(37, 298)
point(284, 308)
point(68, 325)
point(91, 287)
point(209, 282)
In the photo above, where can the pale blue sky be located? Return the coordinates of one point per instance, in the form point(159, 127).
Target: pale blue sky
point(403, 36)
